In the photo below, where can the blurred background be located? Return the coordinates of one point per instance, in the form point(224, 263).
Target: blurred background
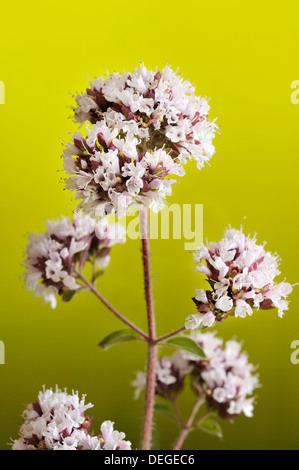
point(243, 56)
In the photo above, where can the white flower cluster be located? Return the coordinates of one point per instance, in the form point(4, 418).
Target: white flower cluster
point(53, 257)
point(57, 421)
point(109, 175)
point(225, 377)
point(170, 375)
point(241, 275)
point(145, 124)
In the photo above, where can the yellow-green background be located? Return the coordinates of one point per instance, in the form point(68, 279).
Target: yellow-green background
point(242, 55)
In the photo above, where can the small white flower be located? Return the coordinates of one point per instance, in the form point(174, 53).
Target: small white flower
point(70, 282)
point(198, 320)
point(224, 303)
point(201, 296)
point(139, 384)
point(242, 308)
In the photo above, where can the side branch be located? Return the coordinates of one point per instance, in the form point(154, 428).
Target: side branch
point(110, 307)
point(188, 426)
point(170, 335)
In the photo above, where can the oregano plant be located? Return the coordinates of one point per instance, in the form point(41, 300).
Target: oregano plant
point(141, 129)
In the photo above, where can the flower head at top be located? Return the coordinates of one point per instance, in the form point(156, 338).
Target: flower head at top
point(241, 275)
point(144, 125)
point(109, 174)
point(55, 257)
point(57, 421)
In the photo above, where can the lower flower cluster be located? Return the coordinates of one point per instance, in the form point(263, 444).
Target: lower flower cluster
point(225, 379)
point(57, 421)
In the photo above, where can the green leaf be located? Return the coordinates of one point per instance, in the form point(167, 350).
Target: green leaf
point(97, 275)
point(211, 427)
point(188, 345)
point(166, 410)
point(68, 295)
point(120, 336)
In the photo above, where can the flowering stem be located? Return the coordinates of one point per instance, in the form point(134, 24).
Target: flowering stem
point(152, 348)
point(178, 413)
point(203, 418)
point(170, 335)
point(93, 289)
point(188, 426)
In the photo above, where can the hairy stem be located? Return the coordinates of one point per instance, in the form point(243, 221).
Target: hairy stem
point(203, 418)
point(152, 348)
point(121, 317)
point(188, 426)
point(170, 335)
point(178, 413)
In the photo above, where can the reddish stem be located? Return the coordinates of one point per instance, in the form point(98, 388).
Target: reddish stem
point(170, 335)
point(152, 348)
point(188, 426)
point(109, 306)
